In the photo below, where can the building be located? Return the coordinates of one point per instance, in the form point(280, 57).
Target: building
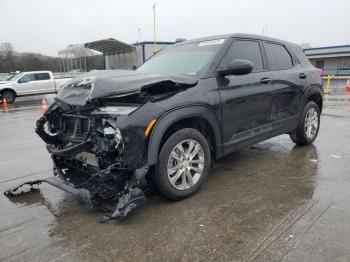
point(119, 55)
point(333, 60)
point(147, 48)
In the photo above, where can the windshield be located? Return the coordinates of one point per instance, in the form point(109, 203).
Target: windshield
point(187, 59)
point(18, 76)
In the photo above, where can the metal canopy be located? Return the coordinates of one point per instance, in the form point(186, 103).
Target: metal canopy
point(110, 46)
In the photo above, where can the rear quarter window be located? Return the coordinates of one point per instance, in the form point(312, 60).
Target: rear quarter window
point(278, 58)
point(298, 52)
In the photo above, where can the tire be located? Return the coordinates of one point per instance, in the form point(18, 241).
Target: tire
point(194, 164)
point(302, 135)
point(9, 95)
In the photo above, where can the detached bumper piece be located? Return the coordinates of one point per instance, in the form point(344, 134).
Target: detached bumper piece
point(94, 191)
point(128, 201)
point(82, 195)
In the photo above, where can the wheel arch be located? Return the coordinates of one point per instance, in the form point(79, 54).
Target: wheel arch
point(314, 94)
point(192, 114)
point(9, 89)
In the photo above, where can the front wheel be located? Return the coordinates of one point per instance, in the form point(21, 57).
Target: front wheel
point(10, 96)
point(309, 125)
point(183, 164)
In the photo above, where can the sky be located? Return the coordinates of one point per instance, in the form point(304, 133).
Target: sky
point(46, 26)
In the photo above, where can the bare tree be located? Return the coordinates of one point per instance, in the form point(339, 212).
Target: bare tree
point(11, 60)
point(78, 57)
point(7, 53)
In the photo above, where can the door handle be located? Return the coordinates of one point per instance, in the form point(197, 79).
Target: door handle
point(302, 75)
point(265, 80)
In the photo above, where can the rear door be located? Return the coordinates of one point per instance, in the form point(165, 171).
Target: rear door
point(246, 100)
point(289, 79)
point(44, 83)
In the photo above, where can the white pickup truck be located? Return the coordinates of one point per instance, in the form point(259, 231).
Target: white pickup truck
point(30, 83)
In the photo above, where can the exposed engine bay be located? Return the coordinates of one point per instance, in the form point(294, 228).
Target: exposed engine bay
point(98, 144)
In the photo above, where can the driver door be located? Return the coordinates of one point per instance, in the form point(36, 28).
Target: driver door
point(25, 84)
point(246, 99)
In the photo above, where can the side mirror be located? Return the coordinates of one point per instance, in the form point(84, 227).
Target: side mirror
point(237, 67)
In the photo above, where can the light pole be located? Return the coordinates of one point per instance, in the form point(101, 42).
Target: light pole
point(154, 28)
point(139, 30)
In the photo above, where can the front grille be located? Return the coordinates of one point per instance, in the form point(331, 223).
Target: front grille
point(75, 126)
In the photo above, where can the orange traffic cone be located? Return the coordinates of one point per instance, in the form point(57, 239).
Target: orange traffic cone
point(347, 86)
point(5, 105)
point(43, 105)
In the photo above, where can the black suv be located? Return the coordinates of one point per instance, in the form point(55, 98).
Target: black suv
point(198, 100)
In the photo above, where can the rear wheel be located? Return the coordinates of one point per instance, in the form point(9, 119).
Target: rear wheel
point(309, 125)
point(183, 164)
point(10, 96)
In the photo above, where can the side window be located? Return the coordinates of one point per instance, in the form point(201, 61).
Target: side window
point(42, 76)
point(278, 57)
point(246, 50)
point(26, 78)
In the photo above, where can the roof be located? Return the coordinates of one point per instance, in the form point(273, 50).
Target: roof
point(110, 46)
point(237, 35)
point(328, 51)
point(33, 72)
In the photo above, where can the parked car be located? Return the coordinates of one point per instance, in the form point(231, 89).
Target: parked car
point(195, 101)
point(30, 83)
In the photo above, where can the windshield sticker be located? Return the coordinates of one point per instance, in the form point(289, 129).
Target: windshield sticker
point(212, 42)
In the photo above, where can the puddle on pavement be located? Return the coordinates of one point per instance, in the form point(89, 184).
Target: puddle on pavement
point(245, 195)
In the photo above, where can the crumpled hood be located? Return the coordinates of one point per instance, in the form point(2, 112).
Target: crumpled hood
point(106, 83)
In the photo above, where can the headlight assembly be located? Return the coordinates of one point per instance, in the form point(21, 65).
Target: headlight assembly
point(113, 133)
point(118, 138)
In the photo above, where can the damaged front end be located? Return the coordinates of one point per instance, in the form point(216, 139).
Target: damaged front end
point(88, 154)
point(98, 143)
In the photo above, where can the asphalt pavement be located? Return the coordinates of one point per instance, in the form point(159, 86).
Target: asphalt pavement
point(270, 202)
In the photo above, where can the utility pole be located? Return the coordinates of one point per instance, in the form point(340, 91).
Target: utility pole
point(138, 49)
point(154, 29)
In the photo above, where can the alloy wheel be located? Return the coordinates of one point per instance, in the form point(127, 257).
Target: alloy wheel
point(311, 123)
point(185, 164)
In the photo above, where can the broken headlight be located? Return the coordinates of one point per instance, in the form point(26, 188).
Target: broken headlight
point(110, 133)
point(118, 137)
